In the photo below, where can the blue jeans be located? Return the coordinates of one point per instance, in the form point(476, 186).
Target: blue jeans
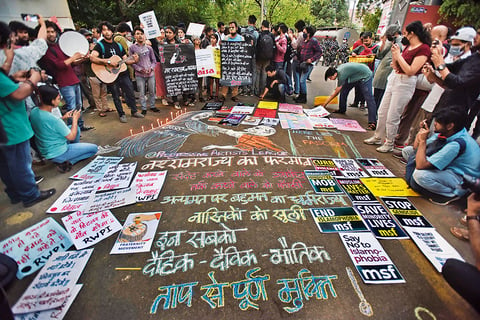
point(150, 81)
point(288, 71)
point(366, 88)
point(123, 81)
point(16, 172)
point(296, 76)
point(279, 65)
point(73, 99)
point(442, 182)
point(303, 78)
point(77, 152)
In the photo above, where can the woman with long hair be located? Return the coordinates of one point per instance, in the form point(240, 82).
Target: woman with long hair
point(401, 83)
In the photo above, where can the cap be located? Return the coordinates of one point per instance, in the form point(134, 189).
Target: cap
point(85, 32)
point(392, 29)
point(465, 34)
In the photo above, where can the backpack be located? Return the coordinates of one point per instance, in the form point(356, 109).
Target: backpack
point(290, 53)
point(103, 48)
point(265, 46)
point(248, 35)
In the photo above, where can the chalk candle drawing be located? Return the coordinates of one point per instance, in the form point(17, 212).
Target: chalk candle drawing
point(422, 309)
point(223, 259)
point(214, 294)
point(174, 295)
point(295, 254)
point(364, 306)
point(305, 287)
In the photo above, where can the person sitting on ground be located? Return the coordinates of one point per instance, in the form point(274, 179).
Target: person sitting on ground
point(436, 165)
point(349, 75)
point(276, 82)
point(55, 140)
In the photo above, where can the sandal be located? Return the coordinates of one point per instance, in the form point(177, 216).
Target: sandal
point(463, 220)
point(101, 114)
point(372, 126)
point(460, 233)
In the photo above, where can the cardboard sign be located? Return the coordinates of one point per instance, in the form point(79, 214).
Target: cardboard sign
point(205, 63)
point(137, 234)
point(52, 314)
point(32, 247)
point(287, 107)
point(379, 221)
point(149, 184)
point(375, 168)
point(55, 283)
point(330, 220)
point(371, 261)
point(88, 229)
point(179, 68)
point(77, 195)
point(350, 168)
point(243, 109)
point(236, 63)
point(433, 246)
point(233, 119)
point(265, 113)
point(268, 105)
point(97, 168)
point(110, 199)
point(321, 123)
point(321, 164)
point(212, 106)
point(251, 121)
point(318, 112)
point(356, 190)
point(347, 125)
point(294, 121)
point(405, 212)
point(195, 29)
point(117, 176)
point(322, 182)
point(389, 187)
point(150, 24)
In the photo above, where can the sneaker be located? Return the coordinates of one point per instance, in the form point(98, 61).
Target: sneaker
point(385, 148)
point(397, 153)
point(38, 179)
point(154, 110)
point(43, 195)
point(176, 105)
point(164, 102)
point(123, 119)
point(443, 201)
point(399, 147)
point(373, 140)
point(137, 115)
point(144, 112)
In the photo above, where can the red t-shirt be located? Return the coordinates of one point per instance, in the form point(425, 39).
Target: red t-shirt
point(423, 50)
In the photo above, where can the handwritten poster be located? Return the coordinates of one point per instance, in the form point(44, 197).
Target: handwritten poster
point(379, 221)
point(205, 63)
point(88, 229)
point(347, 125)
point(96, 168)
point(350, 168)
point(149, 184)
point(389, 187)
point(243, 109)
point(330, 220)
point(321, 123)
point(117, 176)
point(236, 63)
point(370, 259)
point(287, 107)
point(54, 284)
point(137, 234)
point(110, 199)
point(267, 105)
point(322, 182)
point(32, 247)
point(318, 112)
point(265, 113)
point(405, 212)
point(179, 68)
point(195, 29)
point(77, 195)
point(375, 168)
point(150, 24)
point(435, 248)
point(52, 314)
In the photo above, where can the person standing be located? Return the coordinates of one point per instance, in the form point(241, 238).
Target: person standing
point(263, 56)
point(144, 70)
point(233, 36)
point(101, 54)
point(281, 46)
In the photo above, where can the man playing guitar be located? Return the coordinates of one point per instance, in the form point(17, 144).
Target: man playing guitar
point(106, 53)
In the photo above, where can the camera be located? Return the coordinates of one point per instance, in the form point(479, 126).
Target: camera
point(29, 17)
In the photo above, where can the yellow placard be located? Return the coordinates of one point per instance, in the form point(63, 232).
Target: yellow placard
point(320, 100)
point(268, 105)
point(218, 63)
point(389, 187)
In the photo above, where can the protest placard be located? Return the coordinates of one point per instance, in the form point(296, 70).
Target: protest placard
point(150, 24)
point(435, 248)
point(271, 122)
point(77, 195)
point(321, 123)
point(96, 168)
point(350, 168)
point(267, 105)
point(110, 199)
point(32, 247)
point(241, 109)
point(149, 184)
point(195, 29)
point(117, 176)
point(236, 63)
point(337, 220)
point(321, 164)
point(233, 119)
point(347, 125)
point(213, 105)
point(322, 182)
point(379, 221)
point(137, 234)
point(294, 121)
point(251, 120)
point(370, 259)
point(389, 187)
point(265, 113)
point(375, 168)
point(55, 283)
point(179, 68)
point(205, 63)
point(287, 107)
point(356, 190)
point(405, 212)
point(88, 229)
point(318, 112)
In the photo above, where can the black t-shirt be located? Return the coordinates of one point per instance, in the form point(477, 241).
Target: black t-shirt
point(109, 49)
point(280, 76)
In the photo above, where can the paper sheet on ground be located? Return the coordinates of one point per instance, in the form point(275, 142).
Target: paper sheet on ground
point(267, 105)
point(88, 229)
point(321, 123)
point(405, 212)
point(379, 220)
point(350, 168)
point(149, 184)
point(389, 187)
point(137, 235)
point(347, 125)
point(96, 168)
point(117, 176)
point(375, 168)
point(287, 107)
point(318, 112)
point(337, 220)
point(323, 182)
point(32, 247)
point(243, 109)
point(54, 283)
point(110, 199)
point(294, 121)
point(77, 195)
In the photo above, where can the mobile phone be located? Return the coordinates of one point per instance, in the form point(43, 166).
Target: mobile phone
point(9, 43)
point(29, 17)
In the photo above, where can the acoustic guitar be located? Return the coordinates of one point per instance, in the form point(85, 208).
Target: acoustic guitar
point(107, 73)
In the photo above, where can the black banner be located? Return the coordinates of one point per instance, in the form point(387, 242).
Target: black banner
point(179, 68)
point(236, 64)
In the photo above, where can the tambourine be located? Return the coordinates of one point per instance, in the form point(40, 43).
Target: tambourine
point(71, 42)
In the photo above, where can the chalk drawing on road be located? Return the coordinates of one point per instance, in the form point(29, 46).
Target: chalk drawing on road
point(364, 306)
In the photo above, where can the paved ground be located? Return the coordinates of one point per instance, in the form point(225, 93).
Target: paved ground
point(109, 293)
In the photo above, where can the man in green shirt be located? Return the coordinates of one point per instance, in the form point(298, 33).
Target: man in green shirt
point(349, 75)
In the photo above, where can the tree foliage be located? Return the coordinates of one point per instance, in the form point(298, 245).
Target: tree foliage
point(371, 20)
point(330, 13)
point(363, 8)
point(461, 12)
